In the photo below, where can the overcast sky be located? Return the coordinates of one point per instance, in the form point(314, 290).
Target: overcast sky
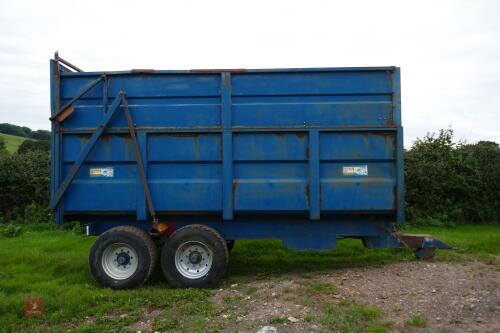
point(448, 51)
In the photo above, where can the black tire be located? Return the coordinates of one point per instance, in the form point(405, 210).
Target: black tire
point(230, 245)
point(211, 271)
point(135, 239)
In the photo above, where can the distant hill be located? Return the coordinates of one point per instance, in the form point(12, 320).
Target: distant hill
point(12, 142)
point(24, 132)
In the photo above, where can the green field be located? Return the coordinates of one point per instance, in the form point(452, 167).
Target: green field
point(12, 142)
point(52, 264)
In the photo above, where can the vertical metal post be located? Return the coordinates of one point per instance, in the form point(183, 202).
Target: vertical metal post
point(396, 102)
point(227, 147)
point(140, 193)
point(56, 135)
point(139, 159)
point(314, 179)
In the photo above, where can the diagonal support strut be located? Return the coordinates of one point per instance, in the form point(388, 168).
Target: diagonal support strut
point(119, 100)
point(140, 164)
point(85, 152)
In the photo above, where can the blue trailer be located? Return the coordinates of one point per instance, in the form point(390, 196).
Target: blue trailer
point(192, 160)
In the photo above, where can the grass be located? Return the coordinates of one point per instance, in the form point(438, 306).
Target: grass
point(320, 287)
point(12, 142)
point(52, 264)
point(353, 318)
point(417, 321)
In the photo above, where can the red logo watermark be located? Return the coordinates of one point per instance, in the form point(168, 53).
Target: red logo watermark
point(33, 307)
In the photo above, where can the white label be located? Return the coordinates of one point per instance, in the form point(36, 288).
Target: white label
point(101, 172)
point(355, 170)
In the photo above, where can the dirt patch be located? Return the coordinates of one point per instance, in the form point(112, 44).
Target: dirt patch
point(433, 296)
point(449, 296)
point(145, 323)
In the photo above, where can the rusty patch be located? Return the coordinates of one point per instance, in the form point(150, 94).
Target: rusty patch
point(412, 240)
point(307, 152)
point(390, 119)
point(65, 113)
point(162, 227)
point(301, 134)
point(142, 71)
point(236, 181)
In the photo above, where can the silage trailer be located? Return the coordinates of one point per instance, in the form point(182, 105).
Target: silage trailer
point(186, 162)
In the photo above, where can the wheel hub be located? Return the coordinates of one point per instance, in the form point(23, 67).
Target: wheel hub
point(119, 261)
point(123, 258)
point(193, 259)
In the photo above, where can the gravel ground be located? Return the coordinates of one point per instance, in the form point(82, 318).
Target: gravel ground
point(450, 297)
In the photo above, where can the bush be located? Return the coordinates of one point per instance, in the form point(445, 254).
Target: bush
point(3, 146)
point(24, 179)
point(10, 230)
point(31, 145)
point(32, 214)
point(449, 182)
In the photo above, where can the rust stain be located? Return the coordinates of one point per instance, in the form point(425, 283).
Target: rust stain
point(307, 152)
point(391, 79)
point(65, 114)
point(236, 181)
point(301, 134)
point(162, 227)
point(142, 70)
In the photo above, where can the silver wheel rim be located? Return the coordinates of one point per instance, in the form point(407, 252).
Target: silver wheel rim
point(193, 260)
point(119, 261)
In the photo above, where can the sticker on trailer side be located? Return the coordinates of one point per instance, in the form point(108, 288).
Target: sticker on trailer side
point(101, 172)
point(355, 170)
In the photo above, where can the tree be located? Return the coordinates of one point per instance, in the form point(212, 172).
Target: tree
point(31, 145)
point(449, 182)
point(24, 179)
point(3, 146)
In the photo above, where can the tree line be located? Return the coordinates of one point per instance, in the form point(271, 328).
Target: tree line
point(24, 131)
point(446, 182)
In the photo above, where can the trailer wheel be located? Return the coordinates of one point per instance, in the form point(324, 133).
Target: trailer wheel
point(123, 257)
point(195, 256)
point(230, 244)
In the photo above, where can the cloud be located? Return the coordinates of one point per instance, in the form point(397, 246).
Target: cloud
point(448, 50)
